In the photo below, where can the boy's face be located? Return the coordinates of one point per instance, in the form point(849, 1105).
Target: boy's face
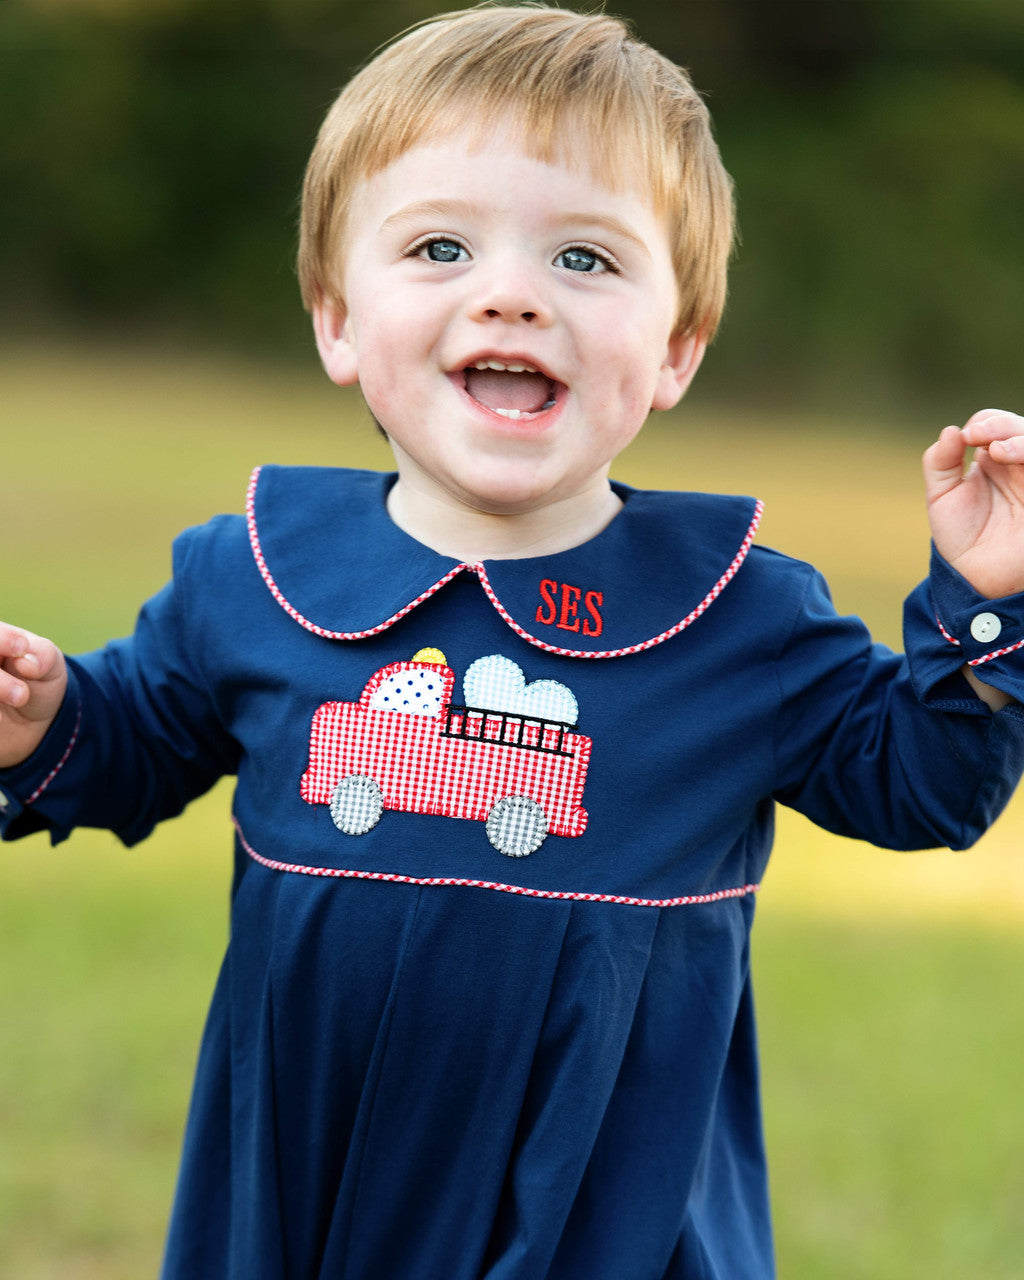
point(510, 322)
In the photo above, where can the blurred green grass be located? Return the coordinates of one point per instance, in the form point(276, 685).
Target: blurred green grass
point(892, 1035)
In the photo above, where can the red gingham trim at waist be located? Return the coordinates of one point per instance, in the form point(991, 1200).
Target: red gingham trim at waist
point(689, 900)
point(60, 763)
point(985, 657)
point(481, 572)
point(275, 591)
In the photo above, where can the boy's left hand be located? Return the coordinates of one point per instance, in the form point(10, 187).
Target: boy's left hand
point(977, 518)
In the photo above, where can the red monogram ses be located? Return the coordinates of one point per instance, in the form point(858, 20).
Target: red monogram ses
point(560, 607)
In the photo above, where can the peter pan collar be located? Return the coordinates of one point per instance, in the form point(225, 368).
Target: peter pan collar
point(340, 567)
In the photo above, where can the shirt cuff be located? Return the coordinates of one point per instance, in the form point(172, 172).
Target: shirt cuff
point(25, 784)
point(947, 625)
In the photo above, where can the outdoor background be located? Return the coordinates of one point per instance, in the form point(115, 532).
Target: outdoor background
point(153, 349)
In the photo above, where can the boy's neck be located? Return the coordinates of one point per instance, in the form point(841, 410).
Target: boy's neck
point(452, 528)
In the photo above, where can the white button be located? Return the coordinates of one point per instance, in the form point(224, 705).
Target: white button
point(985, 627)
point(4, 802)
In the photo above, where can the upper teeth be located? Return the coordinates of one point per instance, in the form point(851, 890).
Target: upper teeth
point(501, 367)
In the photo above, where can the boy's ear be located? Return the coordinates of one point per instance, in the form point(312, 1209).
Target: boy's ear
point(683, 355)
point(334, 342)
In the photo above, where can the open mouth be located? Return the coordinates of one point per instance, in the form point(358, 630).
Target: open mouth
point(512, 389)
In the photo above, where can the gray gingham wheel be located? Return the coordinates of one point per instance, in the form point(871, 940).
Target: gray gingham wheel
point(517, 826)
point(356, 804)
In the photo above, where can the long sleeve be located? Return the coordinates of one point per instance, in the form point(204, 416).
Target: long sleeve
point(137, 737)
point(895, 750)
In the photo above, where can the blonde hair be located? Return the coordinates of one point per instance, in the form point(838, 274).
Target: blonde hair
point(578, 85)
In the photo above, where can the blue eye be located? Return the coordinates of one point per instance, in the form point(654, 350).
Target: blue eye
point(443, 250)
point(580, 259)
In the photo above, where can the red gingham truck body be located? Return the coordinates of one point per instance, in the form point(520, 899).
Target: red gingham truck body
point(459, 762)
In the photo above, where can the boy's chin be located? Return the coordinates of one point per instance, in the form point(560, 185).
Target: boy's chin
point(506, 493)
point(490, 489)
point(501, 501)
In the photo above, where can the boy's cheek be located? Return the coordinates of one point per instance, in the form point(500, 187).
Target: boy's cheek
point(378, 392)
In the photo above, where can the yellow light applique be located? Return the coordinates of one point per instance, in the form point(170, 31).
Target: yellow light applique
point(430, 655)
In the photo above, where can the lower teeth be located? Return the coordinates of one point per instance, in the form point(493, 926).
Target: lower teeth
point(524, 413)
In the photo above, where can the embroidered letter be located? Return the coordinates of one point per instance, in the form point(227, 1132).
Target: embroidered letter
point(546, 588)
point(570, 605)
point(509, 757)
point(565, 614)
point(592, 600)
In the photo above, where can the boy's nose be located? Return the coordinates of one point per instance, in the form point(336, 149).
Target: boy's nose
point(512, 296)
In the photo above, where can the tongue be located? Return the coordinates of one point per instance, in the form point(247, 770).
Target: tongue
point(497, 389)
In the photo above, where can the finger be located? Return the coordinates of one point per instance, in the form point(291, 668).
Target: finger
point(981, 414)
point(14, 642)
point(30, 656)
point(1007, 451)
point(992, 424)
point(13, 692)
point(943, 463)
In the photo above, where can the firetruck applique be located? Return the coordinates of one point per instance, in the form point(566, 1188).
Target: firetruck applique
point(508, 756)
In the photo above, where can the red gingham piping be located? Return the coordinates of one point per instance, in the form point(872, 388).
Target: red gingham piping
point(692, 616)
point(275, 591)
point(985, 657)
point(60, 763)
point(690, 900)
point(945, 633)
point(996, 653)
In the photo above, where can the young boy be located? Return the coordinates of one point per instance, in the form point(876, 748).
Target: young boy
point(508, 736)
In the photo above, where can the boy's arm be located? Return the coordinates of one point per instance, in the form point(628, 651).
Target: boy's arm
point(977, 517)
point(127, 735)
point(33, 680)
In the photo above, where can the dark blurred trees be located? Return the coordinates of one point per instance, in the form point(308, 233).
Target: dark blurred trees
point(153, 149)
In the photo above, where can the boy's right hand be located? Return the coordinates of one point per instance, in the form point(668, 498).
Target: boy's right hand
point(33, 678)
